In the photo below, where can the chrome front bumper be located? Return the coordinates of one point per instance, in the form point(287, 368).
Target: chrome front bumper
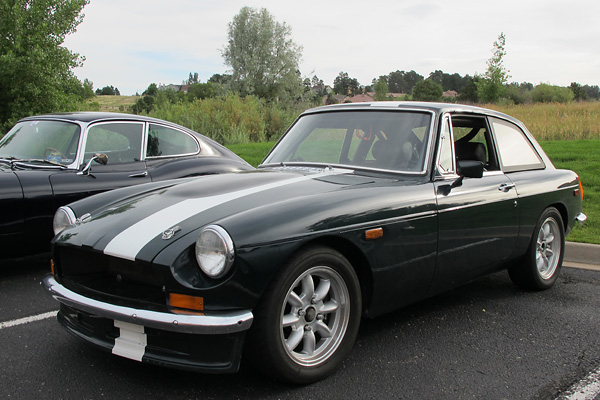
point(209, 323)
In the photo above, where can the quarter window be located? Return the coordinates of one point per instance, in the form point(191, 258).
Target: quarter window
point(516, 151)
point(446, 160)
point(164, 141)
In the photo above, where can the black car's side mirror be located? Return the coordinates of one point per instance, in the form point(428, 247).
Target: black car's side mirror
point(470, 169)
point(100, 158)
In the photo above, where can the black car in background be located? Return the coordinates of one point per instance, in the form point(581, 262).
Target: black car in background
point(48, 161)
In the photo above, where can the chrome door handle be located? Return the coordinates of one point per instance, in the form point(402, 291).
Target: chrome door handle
point(139, 174)
point(505, 187)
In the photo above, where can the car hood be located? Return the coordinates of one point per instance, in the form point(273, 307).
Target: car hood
point(247, 204)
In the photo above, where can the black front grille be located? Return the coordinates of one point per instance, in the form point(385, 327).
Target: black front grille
point(107, 275)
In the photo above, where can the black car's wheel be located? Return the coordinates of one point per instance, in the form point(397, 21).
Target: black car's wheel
point(541, 265)
point(308, 319)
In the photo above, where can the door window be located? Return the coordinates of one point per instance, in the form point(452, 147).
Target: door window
point(473, 142)
point(120, 141)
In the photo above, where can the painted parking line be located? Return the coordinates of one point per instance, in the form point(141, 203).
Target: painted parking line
point(26, 320)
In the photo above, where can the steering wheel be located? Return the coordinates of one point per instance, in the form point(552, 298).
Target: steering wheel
point(51, 150)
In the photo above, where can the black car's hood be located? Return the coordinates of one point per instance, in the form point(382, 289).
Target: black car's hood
point(133, 228)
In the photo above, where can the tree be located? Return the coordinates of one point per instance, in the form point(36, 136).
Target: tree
point(87, 90)
point(518, 93)
point(108, 91)
point(578, 91)
point(401, 81)
point(593, 92)
point(412, 78)
point(200, 91)
point(491, 84)
point(263, 57)
point(427, 90)
point(381, 90)
point(192, 79)
point(544, 93)
point(221, 79)
point(35, 69)
point(469, 90)
point(343, 84)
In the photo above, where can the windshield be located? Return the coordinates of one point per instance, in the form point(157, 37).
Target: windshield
point(53, 141)
point(389, 140)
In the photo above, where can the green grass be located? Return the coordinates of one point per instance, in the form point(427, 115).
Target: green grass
point(581, 156)
point(253, 153)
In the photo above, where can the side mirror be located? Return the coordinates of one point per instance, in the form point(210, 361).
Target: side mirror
point(470, 169)
point(100, 158)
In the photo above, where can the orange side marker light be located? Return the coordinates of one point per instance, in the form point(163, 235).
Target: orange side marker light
point(186, 301)
point(373, 234)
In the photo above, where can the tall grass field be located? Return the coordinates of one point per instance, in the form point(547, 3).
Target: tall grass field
point(557, 121)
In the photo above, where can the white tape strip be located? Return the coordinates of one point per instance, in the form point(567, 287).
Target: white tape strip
point(132, 341)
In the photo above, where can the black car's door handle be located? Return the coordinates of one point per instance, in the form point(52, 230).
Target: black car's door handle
point(139, 174)
point(505, 187)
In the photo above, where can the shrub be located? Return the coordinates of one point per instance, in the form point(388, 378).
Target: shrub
point(229, 119)
point(544, 93)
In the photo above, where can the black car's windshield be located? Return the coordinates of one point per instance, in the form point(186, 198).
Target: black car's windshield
point(51, 141)
point(389, 140)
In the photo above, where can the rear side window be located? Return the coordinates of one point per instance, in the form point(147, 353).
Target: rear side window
point(516, 151)
point(167, 142)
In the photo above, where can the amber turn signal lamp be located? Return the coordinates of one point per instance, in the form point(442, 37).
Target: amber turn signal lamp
point(580, 192)
point(185, 301)
point(373, 234)
point(52, 266)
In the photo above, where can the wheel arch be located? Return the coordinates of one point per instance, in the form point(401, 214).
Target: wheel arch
point(357, 259)
point(564, 214)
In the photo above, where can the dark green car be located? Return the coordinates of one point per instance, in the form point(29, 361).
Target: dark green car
point(358, 210)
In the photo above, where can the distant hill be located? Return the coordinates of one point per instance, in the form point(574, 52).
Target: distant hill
point(110, 103)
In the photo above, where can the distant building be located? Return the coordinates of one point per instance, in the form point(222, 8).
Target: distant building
point(450, 93)
point(359, 98)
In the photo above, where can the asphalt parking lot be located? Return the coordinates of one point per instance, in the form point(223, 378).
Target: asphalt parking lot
point(487, 339)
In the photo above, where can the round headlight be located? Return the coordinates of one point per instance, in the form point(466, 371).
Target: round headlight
point(63, 217)
point(214, 251)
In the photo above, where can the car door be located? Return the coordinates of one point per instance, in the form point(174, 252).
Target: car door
point(122, 142)
point(478, 217)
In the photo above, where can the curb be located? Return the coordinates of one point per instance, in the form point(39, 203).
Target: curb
point(582, 253)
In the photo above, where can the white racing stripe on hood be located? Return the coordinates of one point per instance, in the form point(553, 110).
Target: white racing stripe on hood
point(128, 243)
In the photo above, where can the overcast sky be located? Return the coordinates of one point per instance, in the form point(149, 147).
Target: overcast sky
point(132, 43)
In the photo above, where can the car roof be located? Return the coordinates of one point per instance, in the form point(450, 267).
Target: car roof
point(92, 116)
point(438, 108)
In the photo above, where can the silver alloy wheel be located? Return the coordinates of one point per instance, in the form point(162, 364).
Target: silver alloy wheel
point(548, 248)
point(315, 315)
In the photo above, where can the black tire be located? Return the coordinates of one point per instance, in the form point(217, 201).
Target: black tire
point(308, 319)
point(540, 267)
